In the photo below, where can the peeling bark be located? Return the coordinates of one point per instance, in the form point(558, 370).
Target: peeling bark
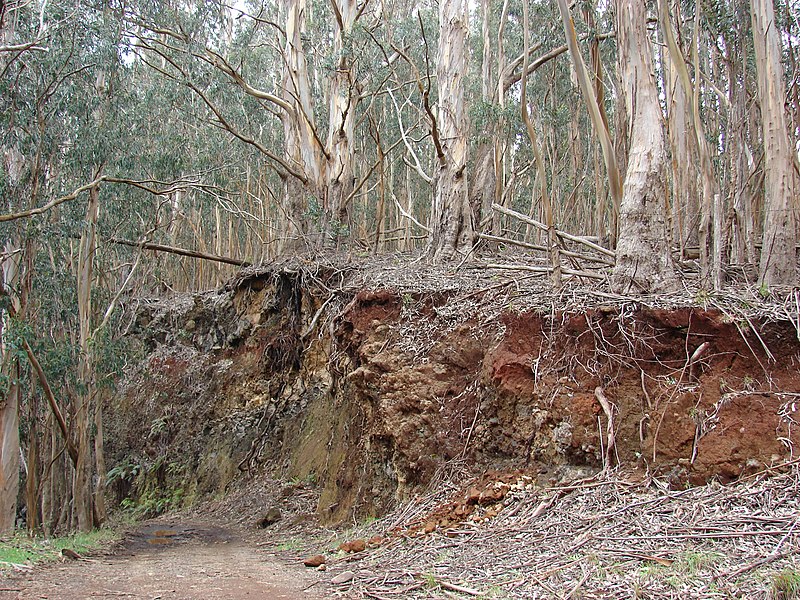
point(644, 263)
point(778, 254)
point(452, 229)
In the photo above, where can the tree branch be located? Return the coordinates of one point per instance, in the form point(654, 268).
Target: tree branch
point(52, 204)
point(338, 14)
point(51, 399)
point(223, 65)
point(24, 47)
point(179, 251)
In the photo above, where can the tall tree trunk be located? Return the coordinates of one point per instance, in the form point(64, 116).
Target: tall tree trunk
point(302, 146)
point(540, 181)
point(452, 229)
point(742, 248)
point(598, 86)
point(644, 263)
point(710, 231)
point(9, 390)
point(685, 205)
point(500, 144)
point(9, 442)
point(32, 480)
point(778, 251)
point(82, 485)
point(341, 124)
point(100, 512)
point(483, 185)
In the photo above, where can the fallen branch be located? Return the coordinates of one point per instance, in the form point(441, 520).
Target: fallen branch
point(504, 240)
point(180, 251)
point(696, 356)
point(545, 270)
point(563, 234)
point(529, 246)
point(755, 564)
point(457, 588)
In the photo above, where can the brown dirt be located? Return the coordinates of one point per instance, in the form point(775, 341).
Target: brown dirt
point(172, 560)
point(366, 386)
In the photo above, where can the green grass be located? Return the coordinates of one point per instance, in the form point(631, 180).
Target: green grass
point(21, 549)
point(290, 545)
point(785, 585)
point(694, 561)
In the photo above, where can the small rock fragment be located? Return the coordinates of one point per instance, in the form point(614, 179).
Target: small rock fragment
point(343, 577)
point(354, 546)
point(358, 545)
point(473, 495)
point(314, 561)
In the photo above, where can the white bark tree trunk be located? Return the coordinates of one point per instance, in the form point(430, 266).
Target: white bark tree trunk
point(452, 229)
point(342, 111)
point(82, 485)
point(326, 169)
point(9, 440)
point(778, 252)
point(302, 147)
point(644, 263)
point(685, 203)
point(9, 368)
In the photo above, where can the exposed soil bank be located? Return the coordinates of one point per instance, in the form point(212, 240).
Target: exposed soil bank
point(368, 390)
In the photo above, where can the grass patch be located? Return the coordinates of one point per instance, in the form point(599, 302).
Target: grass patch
point(694, 561)
point(20, 549)
point(785, 585)
point(290, 545)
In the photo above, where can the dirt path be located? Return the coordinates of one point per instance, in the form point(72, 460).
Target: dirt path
point(171, 560)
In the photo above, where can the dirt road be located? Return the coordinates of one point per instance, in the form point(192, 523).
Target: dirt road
point(171, 561)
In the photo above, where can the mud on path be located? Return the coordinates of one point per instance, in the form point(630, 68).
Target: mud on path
point(171, 560)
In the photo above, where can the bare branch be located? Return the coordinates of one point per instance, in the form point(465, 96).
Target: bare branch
point(52, 204)
point(510, 77)
point(338, 14)
point(371, 170)
point(51, 399)
point(417, 166)
point(24, 47)
point(425, 93)
point(179, 251)
point(223, 65)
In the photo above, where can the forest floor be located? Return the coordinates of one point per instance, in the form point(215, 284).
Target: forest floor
point(500, 536)
point(169, 559)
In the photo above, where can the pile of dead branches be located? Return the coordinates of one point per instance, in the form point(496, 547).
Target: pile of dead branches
point(603, 537)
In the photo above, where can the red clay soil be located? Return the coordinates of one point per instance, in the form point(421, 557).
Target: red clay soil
point(370, 398)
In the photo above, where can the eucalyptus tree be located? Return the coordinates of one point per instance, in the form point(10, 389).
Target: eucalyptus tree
point(452, 228)
point(711, 212)
point(68, 122)
point(778, 264)
point(24, 35)
point(284, 68)
point(644, 263)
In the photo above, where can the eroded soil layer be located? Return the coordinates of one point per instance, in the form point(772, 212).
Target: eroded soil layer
point(367, 391)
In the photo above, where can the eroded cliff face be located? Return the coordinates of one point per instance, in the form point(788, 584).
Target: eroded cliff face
point(368, 392)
